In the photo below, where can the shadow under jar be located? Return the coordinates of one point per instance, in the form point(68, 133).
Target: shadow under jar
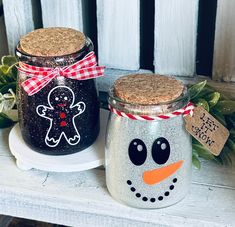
point(148, 162)
point(62, 117)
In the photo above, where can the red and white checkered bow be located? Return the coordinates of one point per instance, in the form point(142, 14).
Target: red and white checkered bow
point(39, 77)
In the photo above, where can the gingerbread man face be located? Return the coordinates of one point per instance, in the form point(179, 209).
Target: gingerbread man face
point(61, 111)
point(60, 97)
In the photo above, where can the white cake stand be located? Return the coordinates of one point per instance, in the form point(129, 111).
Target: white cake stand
point(27, 159)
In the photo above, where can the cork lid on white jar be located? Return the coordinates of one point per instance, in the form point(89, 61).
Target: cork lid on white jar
point(148, 89)
point(49, 42)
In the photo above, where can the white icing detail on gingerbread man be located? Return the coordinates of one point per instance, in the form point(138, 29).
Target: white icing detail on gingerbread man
point(61, 112)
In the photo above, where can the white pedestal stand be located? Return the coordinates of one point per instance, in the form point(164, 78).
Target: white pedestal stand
point(27, 159)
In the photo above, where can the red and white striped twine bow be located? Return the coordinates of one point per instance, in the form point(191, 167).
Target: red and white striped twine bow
point(188, 109)
point(39, 77)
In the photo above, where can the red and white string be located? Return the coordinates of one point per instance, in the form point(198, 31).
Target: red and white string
point(188, 109)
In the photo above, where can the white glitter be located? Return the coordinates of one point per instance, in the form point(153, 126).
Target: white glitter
point(125, 180)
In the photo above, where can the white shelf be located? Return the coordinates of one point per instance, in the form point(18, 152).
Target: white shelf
point(82, 199)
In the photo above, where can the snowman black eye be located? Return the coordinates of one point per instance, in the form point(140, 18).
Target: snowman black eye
point(56, 98)
point(161, 150)
point(65, 98)
point(137, 152)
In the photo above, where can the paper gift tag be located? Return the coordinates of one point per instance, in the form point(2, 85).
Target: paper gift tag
point(207, 130)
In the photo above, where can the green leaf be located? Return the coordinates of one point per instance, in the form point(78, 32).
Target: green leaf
point(9, 60)
point(203, 103)
point(219, 160)
point(203, 152)
point(8, 86)
point(196, 89)
point(4, 69)
point(231, 145)
point(5, 121)
point(231, 120)
point(14, 72)
point(232, 134)
point(196, 161)
point(4, 74)
point(226, 107)
point(225, 157)
point(205, 91)
point(219, 116)
point(213, 98)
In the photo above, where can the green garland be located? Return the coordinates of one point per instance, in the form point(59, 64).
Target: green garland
point(223, 109)
point(8, 76)
point(217, 104)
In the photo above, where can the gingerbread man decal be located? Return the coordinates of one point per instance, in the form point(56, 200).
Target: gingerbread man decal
point(61, 111)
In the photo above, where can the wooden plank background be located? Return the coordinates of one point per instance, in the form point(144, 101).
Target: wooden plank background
point(175, 37)
point(224, 48)
point(135, 34)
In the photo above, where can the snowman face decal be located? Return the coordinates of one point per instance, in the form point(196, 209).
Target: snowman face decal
point(160, 153)
point(61, 111)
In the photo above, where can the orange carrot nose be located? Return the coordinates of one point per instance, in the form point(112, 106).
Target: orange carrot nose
point(157, 175)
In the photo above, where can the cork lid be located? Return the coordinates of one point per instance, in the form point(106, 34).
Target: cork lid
point(49, 42)
point(148, 89)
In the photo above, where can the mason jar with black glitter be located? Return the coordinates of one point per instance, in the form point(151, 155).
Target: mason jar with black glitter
point(148, 152)
point(58, 108)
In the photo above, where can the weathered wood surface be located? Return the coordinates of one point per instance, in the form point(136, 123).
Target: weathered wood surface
point(224, 47)
point(18, 19)
point(175, 37)
point(110, 75)
point(79, 199)
point(119, 33)
point(62, 13)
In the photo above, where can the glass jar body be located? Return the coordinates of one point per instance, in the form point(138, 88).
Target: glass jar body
point(63, 129)
point(141, 173)
point(125, 179)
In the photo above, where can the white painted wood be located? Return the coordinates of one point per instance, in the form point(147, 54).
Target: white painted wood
point(224, 46)
point(3, 38)
point(119, 33)
point(62, 13)
point(78, 199)
point(175, 37)
point(18, 19)
point(110, 75)
point(4, 147)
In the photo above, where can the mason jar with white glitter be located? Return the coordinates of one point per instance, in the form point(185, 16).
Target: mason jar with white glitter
point(148, 151)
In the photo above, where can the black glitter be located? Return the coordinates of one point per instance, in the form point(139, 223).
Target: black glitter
point(129, 182)
point(174, 180)
point(145, 199)
point(171, 187)
point(160, 198)
point(132, 189)
point(152, 200)
point(34, 128)
point(138, 195)
point(167, 193)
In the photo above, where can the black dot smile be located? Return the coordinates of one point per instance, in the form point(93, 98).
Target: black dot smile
point(152, 200)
